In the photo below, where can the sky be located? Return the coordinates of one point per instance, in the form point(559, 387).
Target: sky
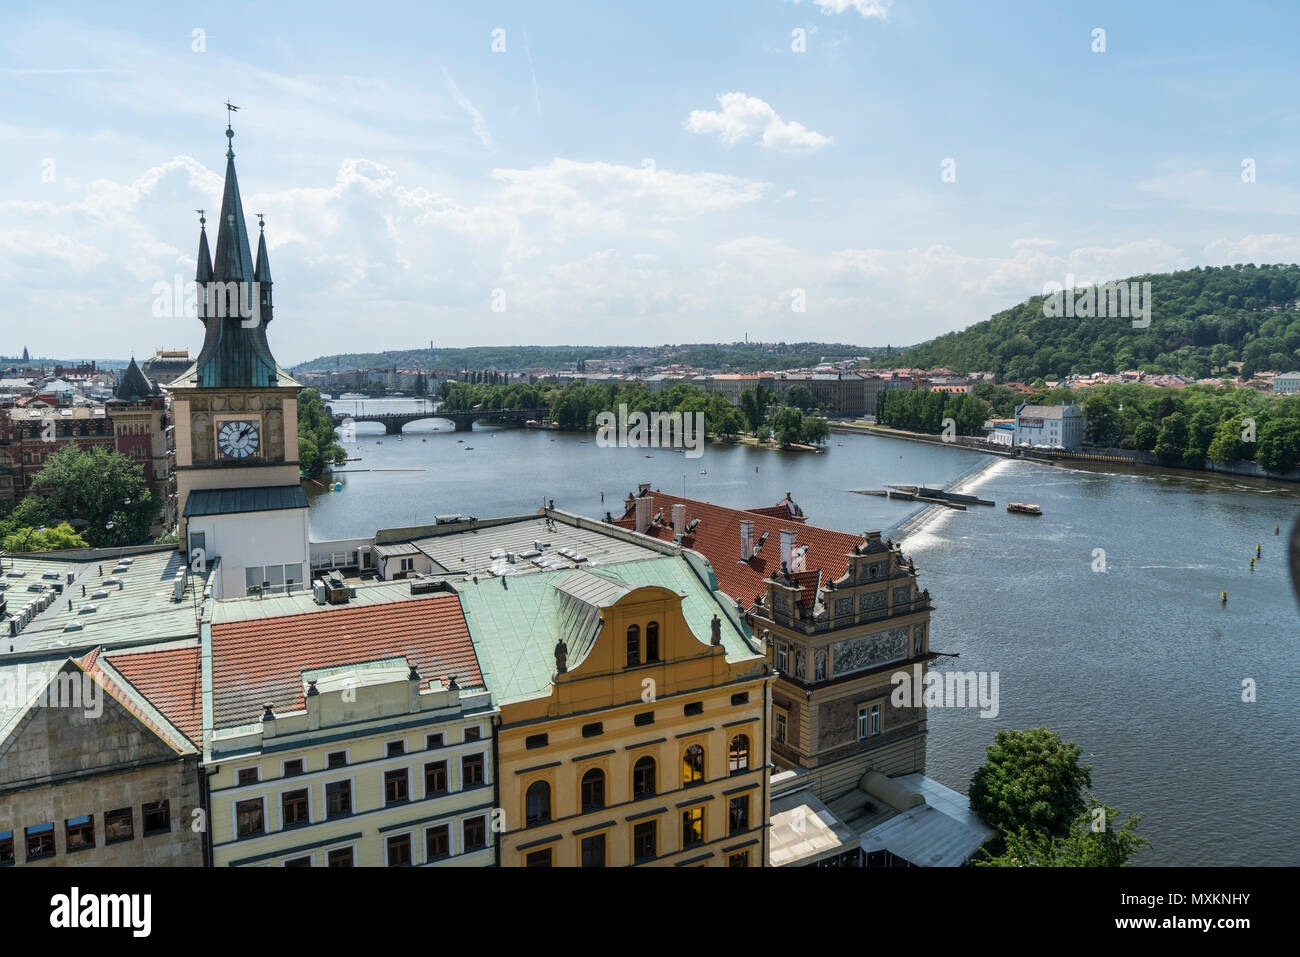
point(865, 171)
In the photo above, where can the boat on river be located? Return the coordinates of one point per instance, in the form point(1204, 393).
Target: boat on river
point(1023, 508)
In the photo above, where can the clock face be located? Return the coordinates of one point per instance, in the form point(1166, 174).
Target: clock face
point(238, 439)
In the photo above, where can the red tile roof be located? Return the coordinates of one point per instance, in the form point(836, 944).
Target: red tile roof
point(261, 661)
point(172, 681)
point(717, 538)
point(91, 663)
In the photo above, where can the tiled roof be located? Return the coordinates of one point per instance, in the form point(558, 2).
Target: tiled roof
point(717, 538)
point(260, 661)
point(93, 663)
point(172, 681)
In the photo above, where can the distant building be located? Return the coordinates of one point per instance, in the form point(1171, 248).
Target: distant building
point(165, 365)
point(1049, 426)
point(1286, 383)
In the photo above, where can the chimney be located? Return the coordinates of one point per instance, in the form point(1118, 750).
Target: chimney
point(787, 546)
point(746, 540)
point(679, 520)
point(642, 488)
point(643, 506)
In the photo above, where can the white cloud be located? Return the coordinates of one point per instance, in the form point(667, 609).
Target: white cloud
point(742, 117)
point(870, 9)
point(480, 125)
point(1255, 248)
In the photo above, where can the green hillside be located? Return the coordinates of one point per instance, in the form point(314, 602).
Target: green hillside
point(1201, 320)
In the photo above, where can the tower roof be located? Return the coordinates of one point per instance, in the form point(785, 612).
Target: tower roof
point(134, 386)
point(234, 260)
point(262, 273)
point(203, 273)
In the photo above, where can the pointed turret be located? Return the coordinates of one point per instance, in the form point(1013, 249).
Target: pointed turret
point(234, 260)
point(262, 272)
point(134, 386)
point(204, 271)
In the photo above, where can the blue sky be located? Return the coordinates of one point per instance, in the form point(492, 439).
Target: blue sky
point(632, 173)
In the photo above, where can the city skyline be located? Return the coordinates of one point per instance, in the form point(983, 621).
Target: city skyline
point(411, 183)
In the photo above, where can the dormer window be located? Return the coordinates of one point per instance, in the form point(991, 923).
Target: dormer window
point(652, 641)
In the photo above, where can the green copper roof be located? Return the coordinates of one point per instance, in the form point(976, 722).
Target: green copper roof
point(516, 625)
point(228, 501)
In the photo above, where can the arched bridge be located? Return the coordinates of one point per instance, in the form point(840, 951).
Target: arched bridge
point(394, 422)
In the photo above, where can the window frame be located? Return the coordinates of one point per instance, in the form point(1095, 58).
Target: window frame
point(541, 788)
point(115, 820)
point(260, 801)
point(389, 777)
point(305, 804)
point(389, 846)
point(583, 784)
point(429, 832)
point(653, 774)
point(331, 814)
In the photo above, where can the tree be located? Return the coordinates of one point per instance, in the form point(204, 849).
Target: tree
point(1226, 446)
point(1171, 441)
point(1279, 445)
point(753, 406)
point(1092, 841)
point(43, 539)
point(1102, 418)
point(787, 425)
point(1145, 436)
point(317, 439)
point(816, 430)
point(102, 488)
point(801, 397)
point(1031, 781)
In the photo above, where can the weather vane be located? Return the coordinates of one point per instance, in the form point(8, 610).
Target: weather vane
point(202, 221)
point(230, 108)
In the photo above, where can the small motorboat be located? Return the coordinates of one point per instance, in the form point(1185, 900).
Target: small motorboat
point(1023, 508)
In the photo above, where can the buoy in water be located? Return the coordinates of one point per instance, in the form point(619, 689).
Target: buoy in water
point(338, 486)
point(1274, 529)
point(1257, 551)
point(1223, 598)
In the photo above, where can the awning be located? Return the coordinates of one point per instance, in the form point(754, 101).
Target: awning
point(925, 837)
point(803, 831)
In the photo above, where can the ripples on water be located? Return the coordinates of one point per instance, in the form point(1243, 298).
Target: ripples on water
point(1140, 665)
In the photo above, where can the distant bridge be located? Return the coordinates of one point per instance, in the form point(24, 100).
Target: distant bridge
point(394, 422)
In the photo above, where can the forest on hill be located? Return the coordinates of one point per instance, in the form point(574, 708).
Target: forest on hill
point(1201, 321)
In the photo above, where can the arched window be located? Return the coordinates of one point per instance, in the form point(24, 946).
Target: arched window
point(652, 641)
point(537, 804)
point(692, 765)
point(593, 789)
point(738, 754)
point(633, 645)
point(643, 777)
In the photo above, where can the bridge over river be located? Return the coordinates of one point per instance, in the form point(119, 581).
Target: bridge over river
point(394, 422)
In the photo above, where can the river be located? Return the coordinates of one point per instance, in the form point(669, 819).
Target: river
point(1139, 664)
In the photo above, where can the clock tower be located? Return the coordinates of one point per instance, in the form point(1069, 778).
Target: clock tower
point(239, 496)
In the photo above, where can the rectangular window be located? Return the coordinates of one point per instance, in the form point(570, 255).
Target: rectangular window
point(437, 842)
point(471, 771)
point(293, 808)
point(395, 748)
point(644, 718)
point(119, 825)
point(644, 841)
point(875, 719)
point(40, 841)
point(433, 741)
point(435, 778)
point(782, 658)
point(694, 708)
point(540, 858)
point(396, 787)
point(80, 832)
point(6, 848)
point(399, 851)
point(591, 730)
point(157, 818)
point(249, 818)
point(739, 859)
point(340, 857)
point(338, 798)
point(337, 759)
point(864, 720)
point(692, 826)
point(293, 768)
point(535, 741)
point(298, 862)
point(738, 814)
point(780, 722)
point(474, 733)
point(739, 699)
point(247, 776)
point(593, 851)
point(474, 833)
